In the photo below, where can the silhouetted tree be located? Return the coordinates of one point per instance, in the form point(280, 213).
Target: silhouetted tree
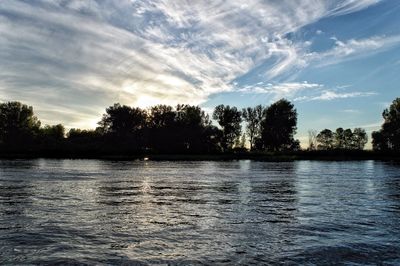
point(56, 132)
point(123, 120)
point(253, 117)
point(388, 137)
point(279, 126)
point(18, 125)
point(124, 126)
point(339, 138)
point(162, 127)
point(184, 129)
point(229, 118)
point(359, 139)
point(347, 139)
point(191, 122)
point(379, 141)
point(342, 139)
point(325, 140)
point(161, 116)
point(51, 137)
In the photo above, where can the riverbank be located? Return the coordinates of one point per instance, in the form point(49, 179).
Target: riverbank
point(257, 156)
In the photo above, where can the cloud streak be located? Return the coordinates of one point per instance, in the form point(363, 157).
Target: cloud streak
point(85, 55)
point(329, 95)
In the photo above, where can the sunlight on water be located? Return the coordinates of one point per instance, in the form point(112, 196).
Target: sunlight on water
point(242, 212)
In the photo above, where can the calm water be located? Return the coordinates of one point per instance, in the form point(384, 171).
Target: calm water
point(102, 212)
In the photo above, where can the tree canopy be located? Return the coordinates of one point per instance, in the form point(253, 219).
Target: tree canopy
point(18, 125)
point(279, 126)
point(253, 117)
point(388, 137)
point(229, 118)
point(188, 129)
point(342, 139)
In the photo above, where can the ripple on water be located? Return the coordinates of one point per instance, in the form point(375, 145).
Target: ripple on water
point(243, 212)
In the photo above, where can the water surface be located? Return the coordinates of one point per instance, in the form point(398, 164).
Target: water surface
point(240, 212)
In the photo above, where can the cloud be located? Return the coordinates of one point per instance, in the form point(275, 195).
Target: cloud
point(346, 7)
point(280, 90)
point(351, 49)
point(329, 95)
point(308, 92)
point(351, 111)
point(77, 57)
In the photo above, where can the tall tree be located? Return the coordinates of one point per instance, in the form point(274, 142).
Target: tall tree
point(279, 126)
point(348, 139)
point(253, 117)
point(325, 139)
point(229, 118)
point(18, 124)
point(360, 138)
point(161, 116)
point(191, 122)
point(163, 128)
point(56, 132)
point(388, 137)
point(124, 128)
point(339, 138)
point(122, 120)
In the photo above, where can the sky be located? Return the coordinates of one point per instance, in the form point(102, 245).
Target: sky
point(337, 61)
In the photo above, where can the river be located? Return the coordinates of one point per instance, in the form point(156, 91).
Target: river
point(208, 212)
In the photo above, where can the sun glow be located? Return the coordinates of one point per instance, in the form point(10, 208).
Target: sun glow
point(145, 101)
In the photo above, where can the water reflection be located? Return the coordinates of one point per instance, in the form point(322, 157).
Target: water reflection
point(104, 212)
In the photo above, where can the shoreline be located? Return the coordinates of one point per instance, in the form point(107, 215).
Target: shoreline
point(268, 157)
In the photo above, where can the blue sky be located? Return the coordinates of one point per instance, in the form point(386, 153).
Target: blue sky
point(337, 61)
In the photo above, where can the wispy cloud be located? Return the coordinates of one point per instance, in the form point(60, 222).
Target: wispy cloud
point(84, 55)
point(280, 90)
point(351, 49)
point(351, 111)
point(304, 91)
point(329, 95)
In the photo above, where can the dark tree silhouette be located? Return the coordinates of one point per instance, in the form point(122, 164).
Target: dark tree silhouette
point(342, 139)
point(18, 125)
point(56, 132)
point(162, 129)
point(122, 120)
point(388, 137)
point(124, 128)
point(348, 139)
point(184, 129)
point(51, 137)
point(229, 118)
point(339, 138)
point(253, 117)
point(279, 126)
point(161, 116)
point(359, 139)
point(325, 140)
point(192, 122)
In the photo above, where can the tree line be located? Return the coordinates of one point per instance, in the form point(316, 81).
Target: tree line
point(341, 139)
point(187, 129)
